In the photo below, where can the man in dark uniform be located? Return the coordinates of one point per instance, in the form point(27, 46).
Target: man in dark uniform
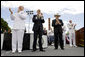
point(38, 29)
point(57, 24)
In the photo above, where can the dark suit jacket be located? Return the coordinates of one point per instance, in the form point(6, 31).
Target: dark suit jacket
point(37, 23)
point(57, 27)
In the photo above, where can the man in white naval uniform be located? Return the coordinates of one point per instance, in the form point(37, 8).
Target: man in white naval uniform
point(71, 28)
point(64, 35)
point(18, 28)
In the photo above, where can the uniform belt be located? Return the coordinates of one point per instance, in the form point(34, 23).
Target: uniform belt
point(70, 28)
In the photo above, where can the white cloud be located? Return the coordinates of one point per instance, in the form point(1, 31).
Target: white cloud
point(72, 7)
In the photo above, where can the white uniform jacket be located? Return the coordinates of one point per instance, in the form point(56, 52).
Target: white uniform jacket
point(19, 20)
point(71, 27)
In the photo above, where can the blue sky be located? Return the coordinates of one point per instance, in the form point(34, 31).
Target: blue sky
point(69, 10)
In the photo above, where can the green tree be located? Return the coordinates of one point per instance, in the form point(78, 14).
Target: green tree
point(4, 25)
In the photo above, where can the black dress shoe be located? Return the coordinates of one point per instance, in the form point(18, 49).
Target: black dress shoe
point(62, 48)
point(34, 50)
point(55, 48)
point(42, 50)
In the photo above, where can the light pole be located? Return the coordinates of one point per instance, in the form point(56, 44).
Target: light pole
point(29, 13)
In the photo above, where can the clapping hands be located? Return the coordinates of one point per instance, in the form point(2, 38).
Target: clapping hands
point(10, 10)
point(57, 21)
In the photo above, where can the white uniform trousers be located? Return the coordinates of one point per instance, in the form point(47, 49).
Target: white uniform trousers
point(64, 39)
point(72, 37)
point(17, 39)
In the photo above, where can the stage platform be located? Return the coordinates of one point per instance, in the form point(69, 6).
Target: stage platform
point(6, 41)
point(79, 51)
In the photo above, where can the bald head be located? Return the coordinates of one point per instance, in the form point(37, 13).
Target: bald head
point(20, 8)
point(70, 21)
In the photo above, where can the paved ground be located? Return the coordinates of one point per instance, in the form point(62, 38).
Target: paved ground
point(79, 51)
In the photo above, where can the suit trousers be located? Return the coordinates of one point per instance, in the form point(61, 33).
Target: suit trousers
point(17, 39)
point(39, 35)
point(58, 39)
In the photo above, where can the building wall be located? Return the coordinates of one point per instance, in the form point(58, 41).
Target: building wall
point(80, 37)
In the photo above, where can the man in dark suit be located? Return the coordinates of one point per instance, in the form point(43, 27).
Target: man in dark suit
point(38, 29)
point(57, 24)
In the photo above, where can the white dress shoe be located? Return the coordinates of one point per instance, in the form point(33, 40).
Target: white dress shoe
point(71, 46)
point(75, 46)
point(13, 51)
point(19, 51)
